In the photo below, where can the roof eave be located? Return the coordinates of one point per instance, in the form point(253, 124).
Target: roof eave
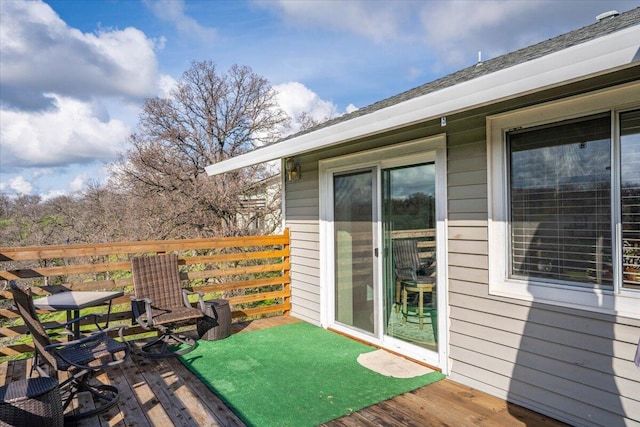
point(608, 53)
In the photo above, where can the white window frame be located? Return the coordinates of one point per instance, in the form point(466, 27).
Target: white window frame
point(619, 301)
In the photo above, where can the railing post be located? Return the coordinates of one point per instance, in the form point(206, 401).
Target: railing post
point(287, 272)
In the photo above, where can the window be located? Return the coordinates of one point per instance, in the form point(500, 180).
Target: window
point(565, 202)
point(630, 197)
point(560, 202)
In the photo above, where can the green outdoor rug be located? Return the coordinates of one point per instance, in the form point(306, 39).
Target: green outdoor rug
point(293, 375)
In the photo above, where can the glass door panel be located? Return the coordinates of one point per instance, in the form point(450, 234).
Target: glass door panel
point(409, 242)
point(354, 250)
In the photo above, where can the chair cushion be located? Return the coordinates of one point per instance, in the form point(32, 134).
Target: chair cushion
point(25, 389)
point(89, 351)
point(175, 314)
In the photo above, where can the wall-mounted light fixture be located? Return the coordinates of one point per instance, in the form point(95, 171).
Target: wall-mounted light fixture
point(292, 168)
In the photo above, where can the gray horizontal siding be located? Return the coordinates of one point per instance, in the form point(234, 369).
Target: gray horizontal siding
point(467, 178)
point(457, 247)
point(302, 213)
point(539, 393)
point(305, 262)
point(465, 192)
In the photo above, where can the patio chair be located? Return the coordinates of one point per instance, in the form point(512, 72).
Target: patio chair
point(413, 278)
point(160, 303)
point(81, 358)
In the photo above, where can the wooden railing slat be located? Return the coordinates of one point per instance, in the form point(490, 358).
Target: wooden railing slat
point(154, 246)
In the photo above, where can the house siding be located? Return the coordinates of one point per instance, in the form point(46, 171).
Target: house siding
point(302, 213)
point(573, 365)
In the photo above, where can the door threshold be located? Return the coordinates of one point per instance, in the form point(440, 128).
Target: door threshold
point(370, 344)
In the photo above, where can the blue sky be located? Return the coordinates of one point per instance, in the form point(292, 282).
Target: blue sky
point(74, 74)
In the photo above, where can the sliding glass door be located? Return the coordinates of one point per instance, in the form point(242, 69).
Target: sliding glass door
point(382, 231)
point(408, 217)
point(354, 253)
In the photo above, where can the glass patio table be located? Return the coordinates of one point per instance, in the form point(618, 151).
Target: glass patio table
point(73, 301)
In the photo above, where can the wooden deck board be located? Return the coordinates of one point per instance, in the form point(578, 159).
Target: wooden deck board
point(166, 393)
point(4, 368)
point(165, 385)
point(128, 403)
point(214, 405)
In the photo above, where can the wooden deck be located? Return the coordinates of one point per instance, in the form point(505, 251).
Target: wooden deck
point(165, 393)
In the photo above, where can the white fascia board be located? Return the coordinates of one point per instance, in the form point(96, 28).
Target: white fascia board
point(594, 57)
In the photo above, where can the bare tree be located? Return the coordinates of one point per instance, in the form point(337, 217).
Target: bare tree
point(307, 121)
point(28, 221)
point(209, 117)
point(107, 215)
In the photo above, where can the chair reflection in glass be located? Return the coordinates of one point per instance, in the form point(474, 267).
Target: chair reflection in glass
point(415, 282)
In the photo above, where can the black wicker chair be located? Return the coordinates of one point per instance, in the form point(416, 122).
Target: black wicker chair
point(82, 358)
point(161, 304)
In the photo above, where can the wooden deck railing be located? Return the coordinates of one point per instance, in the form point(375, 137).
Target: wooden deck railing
point(251, 272)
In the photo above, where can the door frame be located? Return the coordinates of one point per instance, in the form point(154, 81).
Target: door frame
point(411, 152)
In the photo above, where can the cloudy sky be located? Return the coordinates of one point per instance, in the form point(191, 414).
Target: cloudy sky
point(74, 74)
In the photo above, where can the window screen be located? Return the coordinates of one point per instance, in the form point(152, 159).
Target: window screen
point(560, 202)
point(630, 197)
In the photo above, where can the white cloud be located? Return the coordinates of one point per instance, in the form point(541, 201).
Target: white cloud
point(451, 21)
point(37, 173)
point(68, 97)
point(351, 108)
point(52, 194)
point(166, 84)
point(295, 98)
point(452, 31)
point(40, 53)
point(376, 20)
point(19, 184)
point(457, 30)
point(69, 134)
point(78, 183)
point(160, 42)
point(173, 11)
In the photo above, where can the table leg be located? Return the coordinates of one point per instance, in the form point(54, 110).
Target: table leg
point(420, 308)
point(76, 330)
point(108, 314)
point(67, 328)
